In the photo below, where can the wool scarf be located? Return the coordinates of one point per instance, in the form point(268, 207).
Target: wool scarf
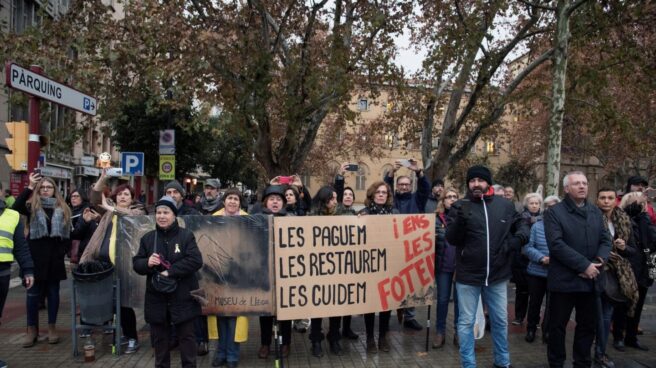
point(209, 205)
point(621, 266)
point(376, 209)
point(39, 224)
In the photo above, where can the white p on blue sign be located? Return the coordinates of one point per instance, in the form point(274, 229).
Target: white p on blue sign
point(132, 163)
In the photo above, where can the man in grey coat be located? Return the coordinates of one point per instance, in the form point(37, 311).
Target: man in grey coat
point(579, 245)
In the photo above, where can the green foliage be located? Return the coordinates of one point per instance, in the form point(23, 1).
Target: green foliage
point(517, 174)
point(230, 156)
point(137, 130)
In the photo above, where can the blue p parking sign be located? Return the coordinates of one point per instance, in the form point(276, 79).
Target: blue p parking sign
point(132, 163)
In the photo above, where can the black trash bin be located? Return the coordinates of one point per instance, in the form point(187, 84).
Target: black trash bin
point(95, 295)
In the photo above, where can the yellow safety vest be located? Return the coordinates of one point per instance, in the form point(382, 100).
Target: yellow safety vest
point(8, 222)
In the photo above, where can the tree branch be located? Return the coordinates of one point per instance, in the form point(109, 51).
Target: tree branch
point(499, 107)
point(461, 16)
point(489, 67)
point(539, 6)
point(571, 8)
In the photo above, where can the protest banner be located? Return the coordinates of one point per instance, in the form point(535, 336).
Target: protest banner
point(344, 265)
point(237, 274)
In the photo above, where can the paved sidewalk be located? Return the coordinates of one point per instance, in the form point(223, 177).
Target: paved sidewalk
point(407, 347)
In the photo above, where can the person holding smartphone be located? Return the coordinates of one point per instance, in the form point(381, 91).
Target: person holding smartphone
point(408, 202)
point(640, 184)
point(49, 219)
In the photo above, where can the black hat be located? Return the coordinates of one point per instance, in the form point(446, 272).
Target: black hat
point(168, 202)
point(481, 172)
point(274, 189)
point(635, 180)
point(437, 182)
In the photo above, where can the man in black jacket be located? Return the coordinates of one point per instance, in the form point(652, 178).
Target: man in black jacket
point(579, 244)
point(486, 229)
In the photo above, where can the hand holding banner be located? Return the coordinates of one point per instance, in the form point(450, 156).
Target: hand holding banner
point(344, 265)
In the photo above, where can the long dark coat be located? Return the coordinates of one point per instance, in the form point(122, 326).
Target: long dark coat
point(178, 246)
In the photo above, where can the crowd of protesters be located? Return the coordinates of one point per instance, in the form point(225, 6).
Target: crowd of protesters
point(560, 253)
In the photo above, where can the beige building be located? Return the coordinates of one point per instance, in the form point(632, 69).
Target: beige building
point(371, 168)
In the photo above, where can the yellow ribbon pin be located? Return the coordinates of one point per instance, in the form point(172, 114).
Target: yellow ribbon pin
point(177, 248)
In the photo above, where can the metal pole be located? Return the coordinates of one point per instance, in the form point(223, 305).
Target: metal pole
point(33, 145)
point(428, 322)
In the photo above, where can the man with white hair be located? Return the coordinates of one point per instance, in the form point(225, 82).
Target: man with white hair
point(579, 245)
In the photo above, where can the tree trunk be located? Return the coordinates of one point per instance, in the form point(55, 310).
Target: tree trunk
point(558, 98)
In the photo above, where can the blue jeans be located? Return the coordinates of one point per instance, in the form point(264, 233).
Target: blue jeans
point(51, 290)
point(227, 349)
point(444, 283)
point(496, 298)
point(603, 325)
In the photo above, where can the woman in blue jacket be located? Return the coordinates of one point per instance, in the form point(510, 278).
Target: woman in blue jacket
point(537, 252)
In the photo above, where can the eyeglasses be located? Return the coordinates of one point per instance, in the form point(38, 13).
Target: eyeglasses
point(381, 192)
point(403, 184)
point(451, 197)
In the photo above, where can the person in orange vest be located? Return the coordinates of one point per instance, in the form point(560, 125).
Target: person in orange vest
point(13, 246)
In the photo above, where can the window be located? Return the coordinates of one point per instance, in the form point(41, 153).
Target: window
point(86, 141)
point(305, 179)
point(391, 140)
point(490, 148)
point(392, 107)
point(436, 142)
point(363, 104)
point(361, 178)
point(57, 117)
point(95, 144)
point(25, 15)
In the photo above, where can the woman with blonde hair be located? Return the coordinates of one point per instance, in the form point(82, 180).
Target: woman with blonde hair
point(445, 267)
point(49, 220)
point(625, 328)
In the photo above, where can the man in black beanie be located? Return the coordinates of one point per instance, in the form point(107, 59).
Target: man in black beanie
point(486, 229)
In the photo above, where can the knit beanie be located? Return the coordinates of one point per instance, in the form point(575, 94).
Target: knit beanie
point(481, 172)
point(168, 202)
point(175, 185)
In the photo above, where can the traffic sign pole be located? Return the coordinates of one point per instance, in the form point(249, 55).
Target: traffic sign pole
point(33, 145)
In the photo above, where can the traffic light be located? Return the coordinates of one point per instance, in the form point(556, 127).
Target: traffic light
point(19, 132)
